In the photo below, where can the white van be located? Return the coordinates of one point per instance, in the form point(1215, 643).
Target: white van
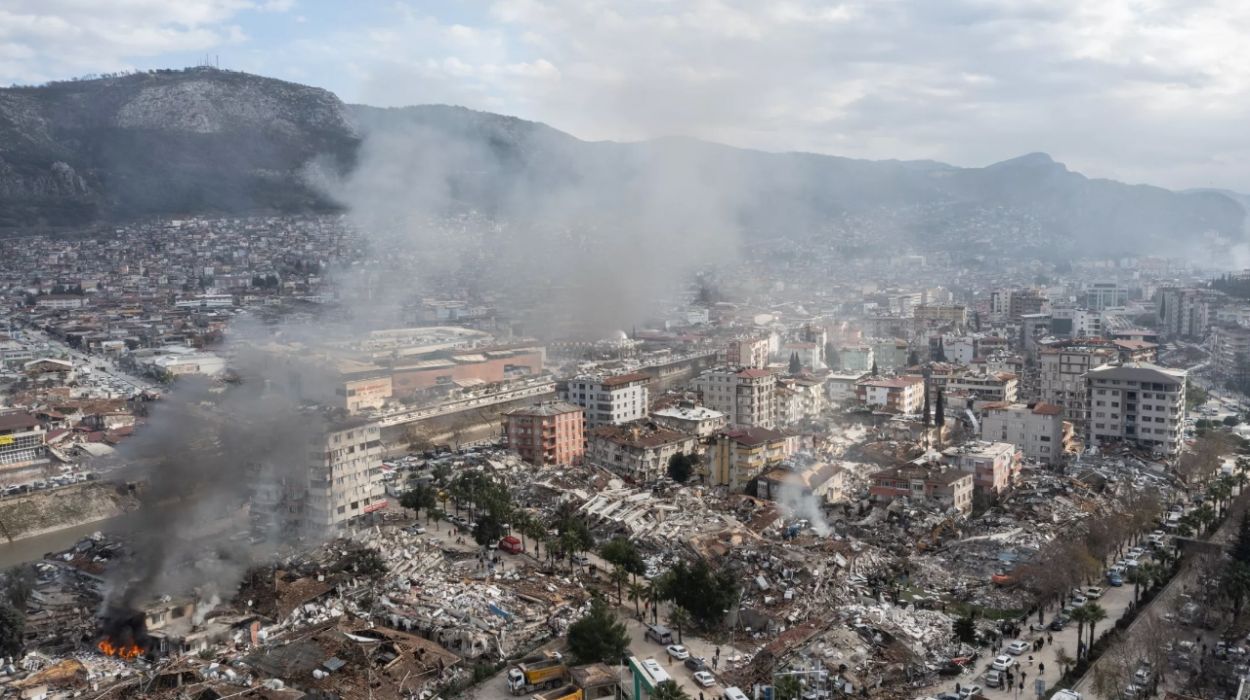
point(733, 693)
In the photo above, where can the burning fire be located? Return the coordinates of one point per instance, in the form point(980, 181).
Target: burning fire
point(129, 651)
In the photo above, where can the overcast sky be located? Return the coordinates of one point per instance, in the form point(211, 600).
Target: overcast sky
point(1140, 90)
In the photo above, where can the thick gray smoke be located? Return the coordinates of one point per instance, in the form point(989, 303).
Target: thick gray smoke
point(208, 454)
point(587, 243)
point(795, 503)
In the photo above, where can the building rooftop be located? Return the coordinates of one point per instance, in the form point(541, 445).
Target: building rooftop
point(635, 436)
point(754, 435)
point(546, 408)
point(1139, 372)
point(689, 413)
point(893, 382)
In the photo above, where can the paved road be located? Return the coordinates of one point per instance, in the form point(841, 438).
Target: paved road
point(1164, 602)
point(1114, 600)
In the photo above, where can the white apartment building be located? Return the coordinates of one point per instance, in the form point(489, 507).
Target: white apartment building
point(1138, 402)
point(699, 421)
point(1061, 369)
point(855, 359)
point(897, 394)
point(345, 476)
point(1230, 352)
point(1038, 430)
point(840, 386)
point(749, 352)
point(609, 400)
point(747, 397)
point(23, 447)
point(987, 386)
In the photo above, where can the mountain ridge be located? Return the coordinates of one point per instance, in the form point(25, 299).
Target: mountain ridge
point(203, 140)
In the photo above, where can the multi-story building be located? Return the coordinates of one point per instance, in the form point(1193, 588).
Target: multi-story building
point(1136, 350)
point(1138, 403)
point(896, 394)
point(1027, 301)
point(950, 488)
point(1230, 353)
point(1184, 313)
point(992, 465)
point(345, 476)
point(1071, 322)
point(23, 447)
point(890, 354)
point(61, 302)
point(858, 358)
point(1061, 369)
point(810, 354)
point(550, 433)
point(1037, 429)
point(737, 456)
point(1103, 295)
point(941, 314)
point(747, 352)
point(746, 396)
point(987, 386)
point(698, 421)
point(635, 452)
point(840, 386)
point(608, 400)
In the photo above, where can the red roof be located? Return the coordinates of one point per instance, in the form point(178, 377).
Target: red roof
point(1047, 409)
point(754, 373)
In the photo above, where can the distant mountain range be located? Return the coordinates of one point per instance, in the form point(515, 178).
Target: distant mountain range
point(209, 141)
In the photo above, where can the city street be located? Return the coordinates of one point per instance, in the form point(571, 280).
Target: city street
point(1115, 601)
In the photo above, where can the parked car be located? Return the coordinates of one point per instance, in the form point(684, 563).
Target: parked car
point(969, 691)
point(695, 664)
point(678, 652)
point(1018, 647)
point(704, 679)
point(1002, 662)
point(1079, 600)
point(1093, 592)
point(1058, 623)
point(994, 679)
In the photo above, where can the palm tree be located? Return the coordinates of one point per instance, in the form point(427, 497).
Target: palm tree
point(619, 576)
point(1141, 576)
point(637, 592)
point(669, 690)
point(1080, 616)
point(679, 618)
point(1096, 614)
point(521, 525)
point(653, 597)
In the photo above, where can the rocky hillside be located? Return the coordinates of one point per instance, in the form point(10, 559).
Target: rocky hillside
point(204, 140)
point(166, 142)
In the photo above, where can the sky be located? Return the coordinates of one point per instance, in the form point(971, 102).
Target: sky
point(1154, 91)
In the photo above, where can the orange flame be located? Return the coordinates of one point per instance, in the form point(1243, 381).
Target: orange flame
point(128, 652)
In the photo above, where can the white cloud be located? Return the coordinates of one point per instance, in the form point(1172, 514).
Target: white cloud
point(63, 38)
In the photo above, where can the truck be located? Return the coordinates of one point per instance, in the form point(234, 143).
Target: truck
point(568, 692)
point(540, 672)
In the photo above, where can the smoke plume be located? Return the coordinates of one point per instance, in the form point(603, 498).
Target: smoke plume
point(207, 454)
point(580, 245)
